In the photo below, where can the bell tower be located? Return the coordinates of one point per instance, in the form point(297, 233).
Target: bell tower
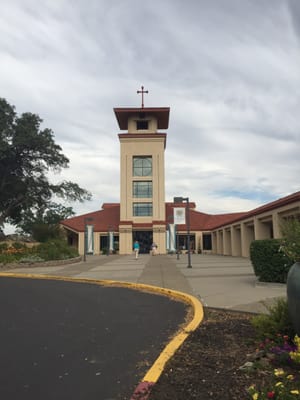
point(142, 169)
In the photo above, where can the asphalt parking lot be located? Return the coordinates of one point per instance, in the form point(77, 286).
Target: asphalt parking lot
point(69, 340)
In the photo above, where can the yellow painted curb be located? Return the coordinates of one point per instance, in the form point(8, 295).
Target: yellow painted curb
point(157, 368)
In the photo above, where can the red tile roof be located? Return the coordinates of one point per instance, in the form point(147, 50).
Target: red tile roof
point(109, 216)
point(201, 221)
point(266, 207)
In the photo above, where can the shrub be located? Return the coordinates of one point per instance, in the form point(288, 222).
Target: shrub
point(55, 250)
point(290, 244)
point(19, 246)
point(269, 263)
point(3, 247)
point(276, 322)
point(31, 259)
point(42, 232)
point(12, 253)
point(8, 258)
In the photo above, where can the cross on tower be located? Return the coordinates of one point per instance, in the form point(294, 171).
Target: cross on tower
point(142, 93)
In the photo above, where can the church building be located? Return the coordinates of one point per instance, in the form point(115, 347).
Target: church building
point(143, 213)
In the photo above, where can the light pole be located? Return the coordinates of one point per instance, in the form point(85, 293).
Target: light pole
point(87, 219)
point(177, 244)
point(188, 225)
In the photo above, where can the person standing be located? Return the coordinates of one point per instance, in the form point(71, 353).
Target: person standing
point(136, 249)
point(154, 248)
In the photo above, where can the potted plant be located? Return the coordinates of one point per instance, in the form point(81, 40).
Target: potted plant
point(291, 248)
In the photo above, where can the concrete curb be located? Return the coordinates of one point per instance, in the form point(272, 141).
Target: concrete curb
point(143, 389)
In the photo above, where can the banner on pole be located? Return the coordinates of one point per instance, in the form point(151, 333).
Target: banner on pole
point(179, 215)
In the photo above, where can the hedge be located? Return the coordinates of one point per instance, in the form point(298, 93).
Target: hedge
point(269, 263)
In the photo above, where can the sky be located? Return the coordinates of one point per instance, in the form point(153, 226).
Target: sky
point(228, 69)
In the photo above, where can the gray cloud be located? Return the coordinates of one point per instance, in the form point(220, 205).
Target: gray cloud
point(229, 70)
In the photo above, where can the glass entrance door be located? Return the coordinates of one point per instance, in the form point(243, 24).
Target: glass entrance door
point(145, 239)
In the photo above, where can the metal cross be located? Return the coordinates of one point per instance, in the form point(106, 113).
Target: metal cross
point(142, 93)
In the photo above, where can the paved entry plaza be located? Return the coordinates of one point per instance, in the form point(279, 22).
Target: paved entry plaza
point(218, 281)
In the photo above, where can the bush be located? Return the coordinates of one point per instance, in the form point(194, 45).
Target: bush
point(43, 233)
point(3, 247)
point(55, 250)
point(31, 259)
point(12, 253)
point(269, 263)
point(19, 246)
point(278, 321)
point(8, 258)
point(290, 244)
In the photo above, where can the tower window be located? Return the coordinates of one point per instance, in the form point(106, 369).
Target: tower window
point(142, 125)
point(142, 189)
point(142, 209)
point(142, 166)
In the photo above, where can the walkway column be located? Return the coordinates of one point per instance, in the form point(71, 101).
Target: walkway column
point(247, 236)
point(219, 242)
point(81, 239)
point(96, 243)
point(236, 241)
point(226, 242)
point(276, 220)
point(214, 244)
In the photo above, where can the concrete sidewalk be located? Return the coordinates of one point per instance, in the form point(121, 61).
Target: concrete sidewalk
point(218, 281)
point(229, 282)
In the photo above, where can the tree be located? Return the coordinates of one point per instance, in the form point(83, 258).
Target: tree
point(27, 153)
point(44, 223)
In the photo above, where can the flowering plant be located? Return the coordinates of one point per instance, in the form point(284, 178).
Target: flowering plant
point(290, 244)
point(285, 385)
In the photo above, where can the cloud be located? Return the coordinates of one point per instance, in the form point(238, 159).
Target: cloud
point(228, 70)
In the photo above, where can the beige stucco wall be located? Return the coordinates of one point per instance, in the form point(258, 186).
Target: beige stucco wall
point(142, 147)
point(152, 124)
point(81, 243)
point(159, 237)
point(125, 239)
point(145, 145)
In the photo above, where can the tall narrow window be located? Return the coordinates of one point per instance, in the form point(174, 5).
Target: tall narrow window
point(207, 245)
point(142, 209)
point(142, 166)
point(142, 189)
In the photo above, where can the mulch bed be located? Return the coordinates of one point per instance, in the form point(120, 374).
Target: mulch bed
point(207, 365)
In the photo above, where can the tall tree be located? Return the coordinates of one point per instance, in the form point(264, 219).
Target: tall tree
point(44, 224)
point(27, 153)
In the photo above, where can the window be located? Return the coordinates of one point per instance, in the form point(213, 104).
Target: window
point(207, 245)
point(142, 189)
point(142, 166)
point(142, 209)
point(142, 125)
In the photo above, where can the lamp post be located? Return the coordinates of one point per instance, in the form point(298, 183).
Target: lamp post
point(177, 245)
point(87, 219)
point(187, 212)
